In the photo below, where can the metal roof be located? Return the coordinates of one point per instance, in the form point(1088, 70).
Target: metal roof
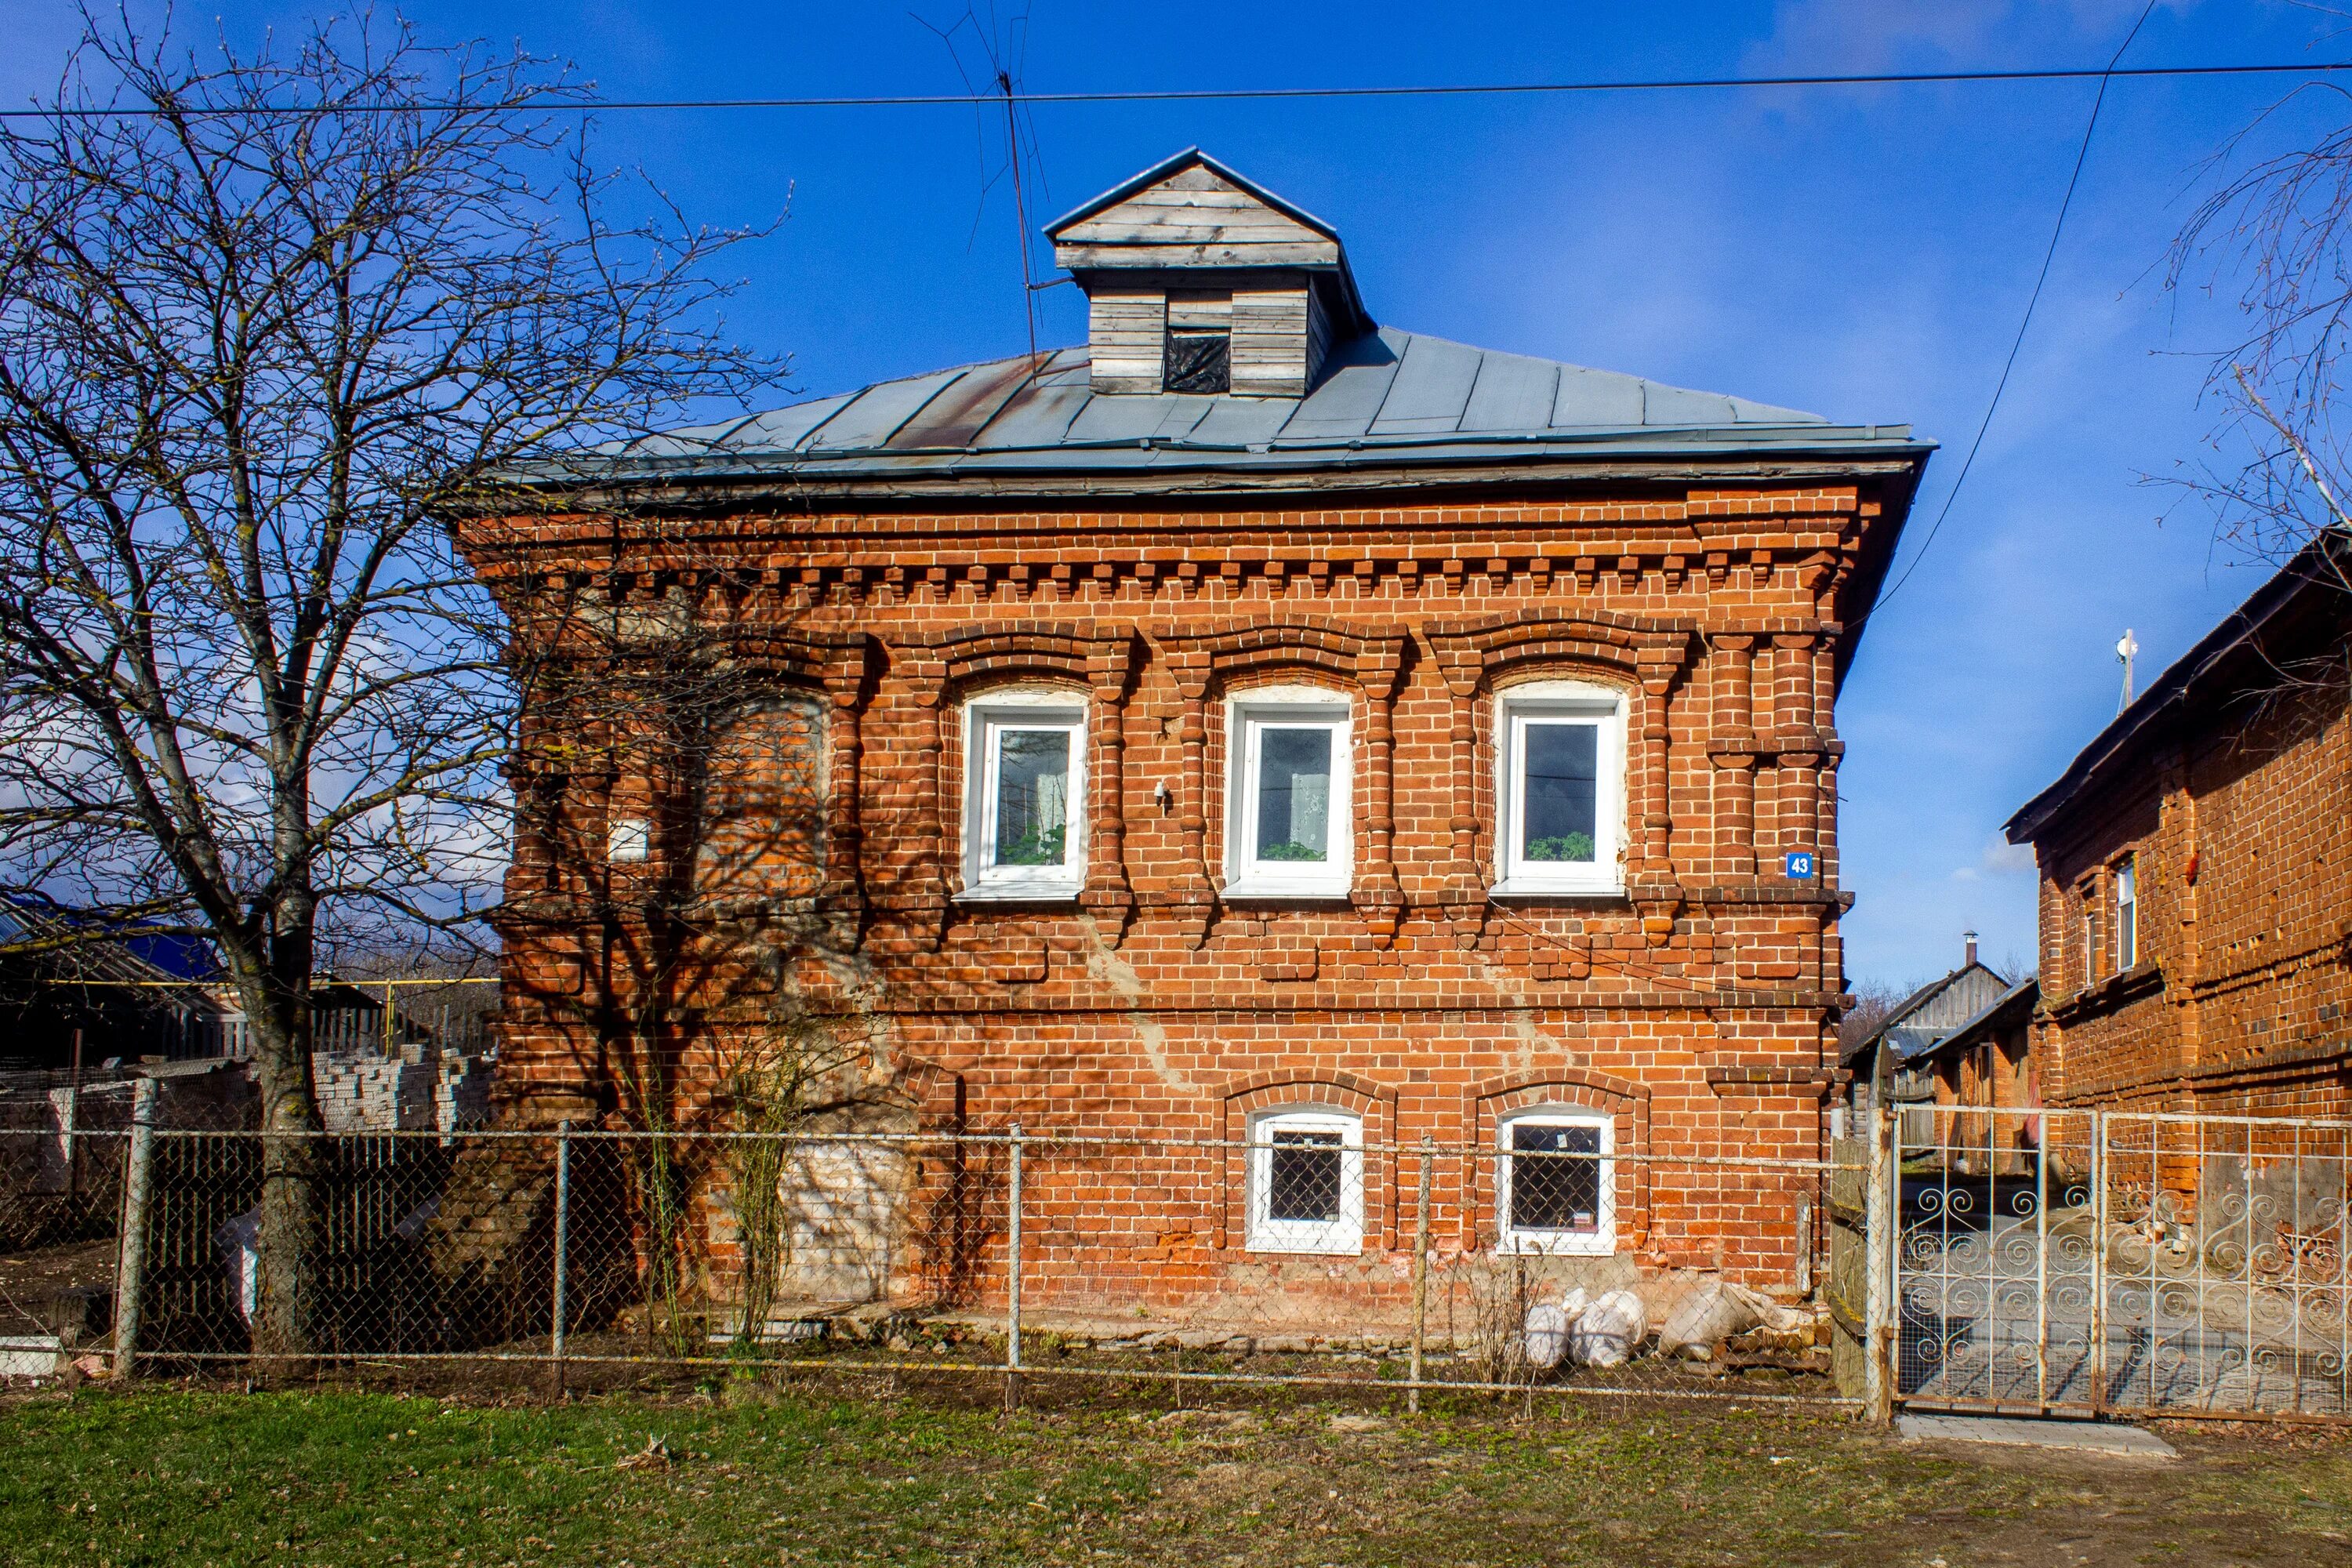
point(1387, 398)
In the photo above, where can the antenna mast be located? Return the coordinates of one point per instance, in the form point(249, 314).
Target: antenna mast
point(1020, 213)
point(2126, 649)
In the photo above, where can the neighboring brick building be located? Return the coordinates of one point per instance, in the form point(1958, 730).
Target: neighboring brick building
point(1256, 723)
point(2196, 866)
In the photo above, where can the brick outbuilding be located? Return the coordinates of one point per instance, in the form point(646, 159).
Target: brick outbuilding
point(1257, 723)
point(2196, 872)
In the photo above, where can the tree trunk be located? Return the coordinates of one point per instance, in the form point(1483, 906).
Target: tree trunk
point(286, 1320)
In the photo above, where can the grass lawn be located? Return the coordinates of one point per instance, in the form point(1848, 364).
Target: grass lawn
point(166, 1475)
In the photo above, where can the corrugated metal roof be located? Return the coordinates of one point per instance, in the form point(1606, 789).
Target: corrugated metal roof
point(1389, 397)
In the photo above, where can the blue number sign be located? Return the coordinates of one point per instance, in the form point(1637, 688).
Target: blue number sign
point(1801, 865)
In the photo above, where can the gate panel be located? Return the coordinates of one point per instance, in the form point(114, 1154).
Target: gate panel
point(1992, 1284)
point(2126, 1262)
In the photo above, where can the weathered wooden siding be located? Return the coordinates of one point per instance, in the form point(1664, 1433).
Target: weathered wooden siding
point(1193, 219)
point(1126, 329)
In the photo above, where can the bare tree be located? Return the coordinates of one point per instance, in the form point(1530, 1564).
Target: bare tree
point(266, 320)
point(2276, 229)
point(1874, 1002)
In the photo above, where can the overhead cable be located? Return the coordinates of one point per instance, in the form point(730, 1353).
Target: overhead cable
point(583, 105)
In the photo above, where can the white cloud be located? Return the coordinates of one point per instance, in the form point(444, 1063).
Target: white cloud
point(1999, 859)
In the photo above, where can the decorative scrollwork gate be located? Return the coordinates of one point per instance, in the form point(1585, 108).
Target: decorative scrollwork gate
point(2154, 1263)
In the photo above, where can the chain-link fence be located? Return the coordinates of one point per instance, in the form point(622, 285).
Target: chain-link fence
point(1300, 1255)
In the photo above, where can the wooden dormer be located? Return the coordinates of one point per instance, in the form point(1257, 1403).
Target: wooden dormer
point(1200, 280)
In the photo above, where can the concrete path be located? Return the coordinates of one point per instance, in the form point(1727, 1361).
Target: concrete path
point(2088, 1436)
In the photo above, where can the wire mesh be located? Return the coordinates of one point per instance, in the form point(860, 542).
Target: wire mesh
point(1551, 1263)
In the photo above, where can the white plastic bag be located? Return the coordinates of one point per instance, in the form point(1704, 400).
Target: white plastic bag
point(1610, 1331)
point(1545, 1335)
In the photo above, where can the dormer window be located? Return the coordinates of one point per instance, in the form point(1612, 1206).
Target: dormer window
point(1199, 355)
point(1202, 282)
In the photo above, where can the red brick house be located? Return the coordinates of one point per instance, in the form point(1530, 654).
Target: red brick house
point(1256, 723)
point(2196, 874)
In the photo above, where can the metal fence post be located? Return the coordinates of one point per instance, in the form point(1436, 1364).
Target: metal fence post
point(1805, 1244)
point(2099, 1261)
point(562, 1246)
point(1012, 1270)
point(1882, 1217)
point(130, 1266)
point(1419, 1274)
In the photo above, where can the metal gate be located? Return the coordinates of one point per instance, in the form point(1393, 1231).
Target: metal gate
point(2139, 1262)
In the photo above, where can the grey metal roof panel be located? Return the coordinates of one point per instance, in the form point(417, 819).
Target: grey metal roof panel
point(1599, 400)
point(1907, 1043)
point(1244, 421)
point(880, 412)
point(1677, 408)
point(1356, 381)
point(782, 429)
point(1041, 419)
point(1386, 397)
point(1512, 392)
point(1747, 411)
point(1138, 419)
point(1431, 389)
point(963, 408)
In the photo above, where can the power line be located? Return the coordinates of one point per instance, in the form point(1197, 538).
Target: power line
point(1239, 94)
point(2049, 253)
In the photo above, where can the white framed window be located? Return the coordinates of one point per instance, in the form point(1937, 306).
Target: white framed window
point(1288, 827)
point(1025, 796)
point(1561, 791)
point(2127, 912)
point(1307, 1181)
point(1555, 1184)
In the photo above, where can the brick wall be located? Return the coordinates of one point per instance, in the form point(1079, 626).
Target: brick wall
point(1697, 1006)
point(2238, 820)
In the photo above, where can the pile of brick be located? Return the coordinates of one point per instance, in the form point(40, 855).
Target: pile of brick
point(417, 1090)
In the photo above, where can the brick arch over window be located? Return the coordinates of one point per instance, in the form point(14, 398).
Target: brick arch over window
point(1292, 643)
point(1248, 1097)
point(1024, 650)
point(1485, 1105)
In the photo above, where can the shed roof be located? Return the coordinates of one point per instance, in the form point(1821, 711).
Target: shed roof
point(1387, 398)
point(2012, 1007)
point(1925, 1018)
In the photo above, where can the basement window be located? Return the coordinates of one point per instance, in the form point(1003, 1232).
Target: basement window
point(1198, 356)
point(1554, 1188)
point(1306, 1182)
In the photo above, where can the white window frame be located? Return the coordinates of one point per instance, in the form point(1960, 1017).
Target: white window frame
point(985, 720)
point(2127, 883)
point(1534, 701)
point(1340, 1237)
point(1516, 1238)
point(1248, 715)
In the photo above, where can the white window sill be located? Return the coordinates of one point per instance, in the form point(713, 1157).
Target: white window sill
point(1008, 893)
point(1305, 1249)
point(1259, 887)
point(1556, 1244)
point(1524, 888)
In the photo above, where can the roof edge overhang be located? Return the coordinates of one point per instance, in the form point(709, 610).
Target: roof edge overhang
point(693, 483)
point(2322, 566)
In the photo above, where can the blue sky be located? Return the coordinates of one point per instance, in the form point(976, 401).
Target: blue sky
point(1864, 253)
